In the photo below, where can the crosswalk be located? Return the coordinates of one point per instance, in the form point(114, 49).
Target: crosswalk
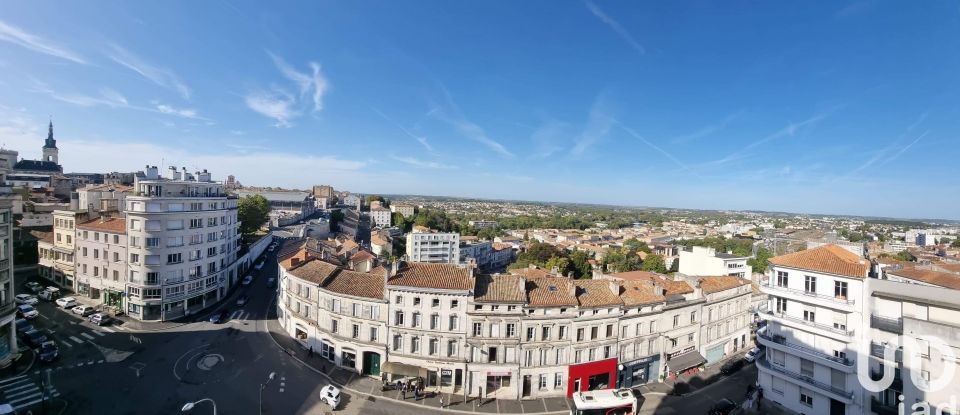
point(24, 391)
point(71, 341)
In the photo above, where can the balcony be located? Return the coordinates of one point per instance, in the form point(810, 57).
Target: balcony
point(829, 299)
point(7, 308)
point(881, 408)
point(801, 322)
point(779, 342)
point(876, 350)
point(890, 325)
point(807, 381)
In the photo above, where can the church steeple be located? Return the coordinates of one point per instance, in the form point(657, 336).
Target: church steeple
point(50, 142)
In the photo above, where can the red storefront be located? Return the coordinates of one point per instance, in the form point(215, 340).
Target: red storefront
point(591, 376)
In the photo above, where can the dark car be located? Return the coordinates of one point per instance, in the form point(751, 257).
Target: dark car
point(23, 326)
point(220, 317)
point(723, 407)
point(731, 366)
point(34, 338)
point(49, 352)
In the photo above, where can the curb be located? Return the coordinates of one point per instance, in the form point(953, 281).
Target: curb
point(344, 387)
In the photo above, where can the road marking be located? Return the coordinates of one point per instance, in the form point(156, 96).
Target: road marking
point(108, 329)
point(98, 333)
point(11, 380)
point(49, 331)
point(99, 361)
point(89, 337)
point(90, 362)
point(17, 405)
point(66, 344)
point(76, 340)
point(44, 317)
point(79, 364)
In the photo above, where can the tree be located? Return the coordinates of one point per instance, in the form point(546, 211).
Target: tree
point(580, 264)
point(335, 218)
point(636, 245)
point(905, 256)
point(675, 266)
point(621, 260)
point(654, 263)
point(761, 261)
point(378, 198)
point(955, 243)
point(252, 211)
point(561, 263)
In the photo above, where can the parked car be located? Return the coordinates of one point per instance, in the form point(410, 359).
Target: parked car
point(33, 286)
point(100, 319)
point(67, 302)
point(220, 317)
point(23, 326)
point(247, 280)
point(723, 407)
point(46, 295)
point(49, 352)
point(34, 338)
point(330, 395)
point(27, 311)
point(732, 366)
point(752, 354)
point(83, 310)
point(25, 299)
point(242, 300)
point(54, 291)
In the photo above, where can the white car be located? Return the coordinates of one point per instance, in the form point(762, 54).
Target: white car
point(246, 280)
point(66, 302)
point(83, 310)
point(330, 395)
point(26, 299)
point(752, 354)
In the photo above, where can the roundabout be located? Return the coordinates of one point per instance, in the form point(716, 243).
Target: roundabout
point(202, 365)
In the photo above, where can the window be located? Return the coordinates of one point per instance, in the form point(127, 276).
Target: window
point(434, 347)
point(545, 333)
point(416, 301)
point(806, 367)
point(398, 300)
point(454, 322)
point(609, 330)
point(434, 322)
point(398, 318)
point(840, 290)
point(174, 258)
point(134, 258)
point(397, 342)
point(558, 380)
point(577, 356)
point(334, 325)
point(606, 352)
point(451, 348)
point(196, 223)
point(594, 332)
point(415, 344)
point(477, 329)
point(416, 320)
point(491, 354)
point(676, 320)
point(356, 331)
point(580, 334)
point(806, 398)
point(543, 381)
point(782, 279)
point(781, 305)
point(693, 317)
point(373, 334)
point(653, 326)
point(563, 332)
point(454, 303)
point(435, 303)
point(809, 315)
point(810, 284)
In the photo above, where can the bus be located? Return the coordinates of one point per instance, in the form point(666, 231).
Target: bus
point(604, 402)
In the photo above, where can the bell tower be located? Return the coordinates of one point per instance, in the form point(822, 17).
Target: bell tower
point(50, 151)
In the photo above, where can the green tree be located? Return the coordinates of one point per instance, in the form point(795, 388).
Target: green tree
point(580, 264)
point(654, 263)
point(621, 260)
point(955, 243)
point(905, 256)
point(562, 264)
point(636, 245)
point(761, 261)
point(378, 198)
point(675, 266)
point(252, 211)
point(336, 217)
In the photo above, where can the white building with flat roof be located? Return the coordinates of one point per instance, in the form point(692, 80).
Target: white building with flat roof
point(429, 246)
point(700, 260)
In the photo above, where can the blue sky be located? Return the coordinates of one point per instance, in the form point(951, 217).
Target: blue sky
point(820, 107)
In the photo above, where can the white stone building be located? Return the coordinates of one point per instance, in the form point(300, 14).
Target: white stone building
point(101, 256)
point(429, 246)
point(8, 311)
point(403, 209)
point(699, 260)
point(381, 217)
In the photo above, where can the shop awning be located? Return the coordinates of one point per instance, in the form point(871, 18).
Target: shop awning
point(686, 361)
point(401, 369)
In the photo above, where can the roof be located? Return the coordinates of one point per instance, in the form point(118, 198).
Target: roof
point(436, 276)
point(277, 196)
point(362, 255)
point(721, 283)
point(313, 270)
point(107, 188)
point(633, 293)
point(111, 224)
point(376, 239)
point(596, 293)
point(671, 286)
point(829, 259)
point(929, 276)
point(724, 255)
point(500, 289)
point(550, 291)
point(532, 272)
point(42, 236)
point(356, 284)
point(38, 165)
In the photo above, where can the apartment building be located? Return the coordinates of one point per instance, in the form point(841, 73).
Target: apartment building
point(700, 260)
point(424, 299)
point(547, 330)
point(101, 260)
point(425, 245)
point(182, 243)
point(816, 312)
point(596, 331)
point(488, 256)
point(640, 340)
point(56, 261)
point(725, 316)
point(8, 307)
point(103, 197)
point(493, 321)
point(403, 209)
point(381, 217)
point(481, 224)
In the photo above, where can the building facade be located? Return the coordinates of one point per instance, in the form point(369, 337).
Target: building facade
point(436, 247)
point(699, 260)
point(101, 260)
point(381, 217)
point(8, 307)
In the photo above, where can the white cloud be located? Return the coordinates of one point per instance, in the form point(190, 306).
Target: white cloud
point(706, 130)
point(36, 43)
point(613, 24)
point(466, 127)
point(420, 139)
point(107, 97)
point(598, 125)
point(182, 112)
point(546, 138)
point(279, 105)
point(423, 163)
point(314, 81)
point(160, 76)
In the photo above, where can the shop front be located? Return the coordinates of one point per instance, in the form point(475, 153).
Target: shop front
point(687, 362)
point(592, 376)
point(498, 380)
point(638, 372)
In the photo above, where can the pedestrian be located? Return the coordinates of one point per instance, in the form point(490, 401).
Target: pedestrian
point(403, 392)
point(311, 351)
point(441, 401)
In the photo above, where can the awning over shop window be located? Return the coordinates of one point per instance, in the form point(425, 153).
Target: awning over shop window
point(402, 369)
point(686, 361)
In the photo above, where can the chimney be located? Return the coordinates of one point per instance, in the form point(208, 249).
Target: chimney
point(698, 290)
point(394, 268)
point(294, 261)
point(103, 216)
point(614, 286)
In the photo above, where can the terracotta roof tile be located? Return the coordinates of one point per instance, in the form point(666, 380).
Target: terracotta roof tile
point(597, 293)
point(830, 259)
point(714, 284)
point(550, 291)
point(356, 284)
point(362, 255)
point(500, 289)
point(671, 286)
point(634, 293)
point(532, 272)
point(929, 275)
point(313, 270)
point(437, 276)
point(111, 224)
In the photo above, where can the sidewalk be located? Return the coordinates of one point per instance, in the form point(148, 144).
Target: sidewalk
point(693, 383)
point(372, 390)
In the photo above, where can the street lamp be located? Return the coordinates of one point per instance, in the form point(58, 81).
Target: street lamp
point(189, 405)
point(262, 387)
